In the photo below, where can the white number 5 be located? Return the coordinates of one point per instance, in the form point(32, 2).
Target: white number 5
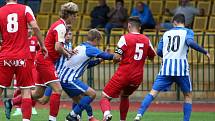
point(138, 51)
point(12, 25)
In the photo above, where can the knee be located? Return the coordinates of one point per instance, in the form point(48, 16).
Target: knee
point(93, 94)
point(57, 90)
point(188, 97)
point(154, 93)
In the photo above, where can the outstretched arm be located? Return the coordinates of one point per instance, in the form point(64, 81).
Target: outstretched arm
point(94, 62)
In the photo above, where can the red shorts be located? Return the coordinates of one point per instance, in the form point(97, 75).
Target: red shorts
point(46, 72)
point(121, 82)
point(22, 70)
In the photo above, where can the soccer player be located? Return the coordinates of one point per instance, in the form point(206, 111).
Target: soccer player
point(46, 66)
point(34, 47)
point(74, 68)
point(133, 49)
point(173, 49)
point(15, 55)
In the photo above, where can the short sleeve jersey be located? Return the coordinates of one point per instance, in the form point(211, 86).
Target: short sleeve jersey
point(56, 33)
point(13, 28)
point(135, 49)
point(34, 46)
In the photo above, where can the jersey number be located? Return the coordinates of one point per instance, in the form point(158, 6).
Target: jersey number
point(138, 51)
point(12, 23)
point(173, 43)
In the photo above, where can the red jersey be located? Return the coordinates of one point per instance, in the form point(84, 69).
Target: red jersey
point(13, 27)
point(56, 33)
point(34, 46)
point(135, 48)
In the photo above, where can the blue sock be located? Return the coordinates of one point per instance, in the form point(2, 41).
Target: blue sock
point(73, 106)
point(86, 100)
point(145, 104)
point(48, 91)
point(187, 111)
point(89, 110)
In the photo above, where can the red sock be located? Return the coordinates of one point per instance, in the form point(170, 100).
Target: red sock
point(54, 104)
point(17, 100)
point(33, 103)
point(26, 108)
point(124, 106)
point(17, 93)
point(105, 105)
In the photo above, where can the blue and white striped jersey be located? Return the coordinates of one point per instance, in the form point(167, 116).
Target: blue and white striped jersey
point(174, 49)
point(77, 64)
point(59, 63)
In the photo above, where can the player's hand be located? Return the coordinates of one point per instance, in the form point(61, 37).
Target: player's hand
point(208, 55)
point(73, 52)
point(44, 51)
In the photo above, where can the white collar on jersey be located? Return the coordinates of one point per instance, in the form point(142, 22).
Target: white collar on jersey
point(135, 32)
point(11, 3)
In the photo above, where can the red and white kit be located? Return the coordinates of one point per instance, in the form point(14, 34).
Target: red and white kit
point(46, 66)
point(15, 57)
point(135, 48)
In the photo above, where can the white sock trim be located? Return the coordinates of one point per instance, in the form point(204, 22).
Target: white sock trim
point(25, 120)
point(52, 118)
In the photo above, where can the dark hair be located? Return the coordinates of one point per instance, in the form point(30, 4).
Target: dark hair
point(122, 1)
point(134, 21)
point(179, 18)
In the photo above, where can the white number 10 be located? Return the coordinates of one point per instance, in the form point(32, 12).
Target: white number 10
point(12, 25)
point(138, 51)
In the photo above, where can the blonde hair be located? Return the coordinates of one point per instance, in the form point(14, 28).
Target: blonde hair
point(94, 34)
point(68, 9)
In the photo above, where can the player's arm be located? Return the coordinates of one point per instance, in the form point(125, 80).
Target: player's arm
point(60, 32)
point(160, 48)
point(121, 47)
point(151, 51)
point(32, 21)
point(60, 49)
point(94, 62)
point(95, 52)
point(191, 43)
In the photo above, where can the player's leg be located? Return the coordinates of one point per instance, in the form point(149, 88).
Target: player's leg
point(161, 83)
point(17, 92)
point(54, 99)
point(124, 99)
point(185, 84)
point(46, 97)
point(25, 82)
point(84, 103)
point(111, 90)
point(124, 106)
point(6, 77)
point(88, 108)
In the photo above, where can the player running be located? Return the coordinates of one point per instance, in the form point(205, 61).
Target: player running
point(133, 49)
point(173, 49)
point(15, 57)
point(74, 68)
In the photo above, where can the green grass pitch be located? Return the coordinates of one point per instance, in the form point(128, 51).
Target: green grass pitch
point(149, 116)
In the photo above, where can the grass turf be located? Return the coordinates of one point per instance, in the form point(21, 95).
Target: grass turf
point(149, 116)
